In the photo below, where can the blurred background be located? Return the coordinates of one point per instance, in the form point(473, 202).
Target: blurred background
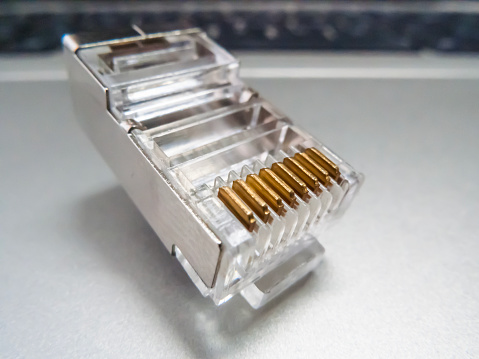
point(445, 26)
point(391, 86)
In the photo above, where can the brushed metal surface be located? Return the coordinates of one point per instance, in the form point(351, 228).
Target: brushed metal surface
point(83, 275)
point(169, 216)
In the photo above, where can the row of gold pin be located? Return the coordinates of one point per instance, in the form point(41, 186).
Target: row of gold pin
point(282, 182)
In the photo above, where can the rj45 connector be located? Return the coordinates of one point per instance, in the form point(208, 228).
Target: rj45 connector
point(234, 190)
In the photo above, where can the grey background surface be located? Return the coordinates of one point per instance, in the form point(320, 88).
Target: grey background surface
point(82, 274)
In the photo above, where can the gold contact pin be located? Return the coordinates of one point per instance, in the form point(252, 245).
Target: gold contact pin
point(325, 162)
point(237, 207)
point(278, 185)
point(252, 199)
point(265, 191)
point(307, 176)
point(291, 179)
point(314, 167)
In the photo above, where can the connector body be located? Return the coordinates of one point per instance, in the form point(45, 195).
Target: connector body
point(232, 188)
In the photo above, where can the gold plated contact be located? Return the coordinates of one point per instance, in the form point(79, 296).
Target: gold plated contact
point(291, 179)
point(278, 185)
point(252, 199)
point(314, 167)
point(307, 176)
point(281, 182)
point(237, 207)
point(266, 192)
point(325, 162)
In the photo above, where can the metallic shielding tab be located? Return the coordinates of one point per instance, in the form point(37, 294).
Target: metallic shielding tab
point(278, 185)
point(252, 199)
point(325, 162)
point(291, 179)
point(266, 192)
point(154, 196)
point(237, 207)
point(73, 42)
point(122, 52)
point(299, 170)
point(314, 167)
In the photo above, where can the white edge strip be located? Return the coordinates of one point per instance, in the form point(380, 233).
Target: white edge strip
point(287, 73)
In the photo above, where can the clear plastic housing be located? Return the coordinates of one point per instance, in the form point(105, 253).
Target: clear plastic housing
point(203, 128)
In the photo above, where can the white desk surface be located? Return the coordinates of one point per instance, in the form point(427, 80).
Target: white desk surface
point(82, 275)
